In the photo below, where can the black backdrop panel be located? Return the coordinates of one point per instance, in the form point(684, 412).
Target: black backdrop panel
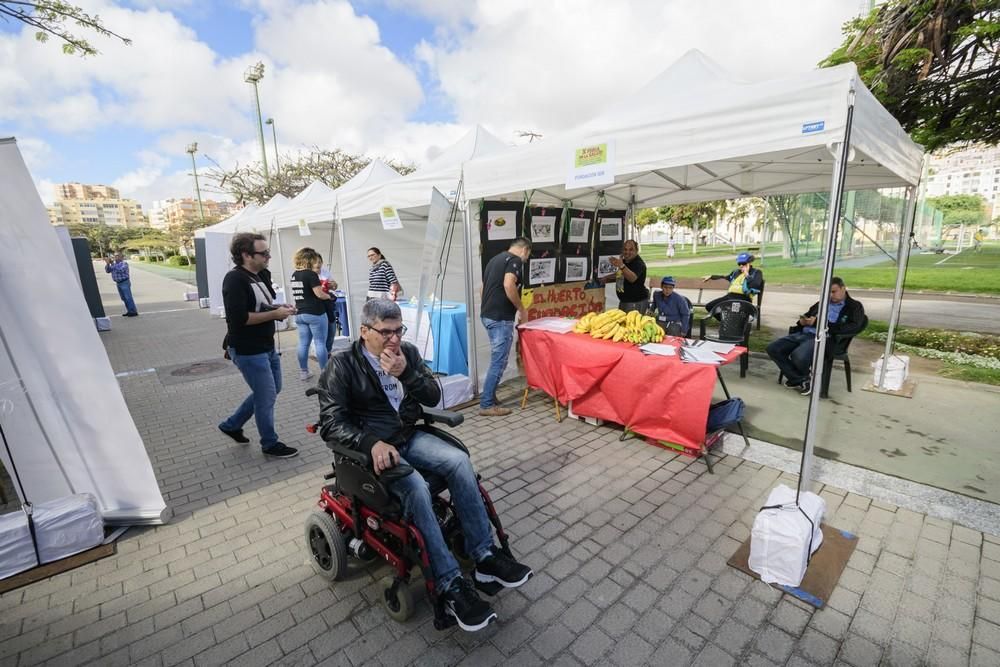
point(200, 268)
point(605, 224)
point(88, 280)
point(506, 218)
point(542, 226)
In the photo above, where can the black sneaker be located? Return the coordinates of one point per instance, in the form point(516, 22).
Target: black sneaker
point(236, 435)
point(806, 388)
point(281, 451)
point(462, 602)
point(793, 384)
point(502, 569)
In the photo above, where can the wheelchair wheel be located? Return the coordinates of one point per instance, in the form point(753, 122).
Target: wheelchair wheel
point(326, 546)
point(398, 605)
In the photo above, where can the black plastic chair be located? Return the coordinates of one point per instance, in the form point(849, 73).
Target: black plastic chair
point(736, 319)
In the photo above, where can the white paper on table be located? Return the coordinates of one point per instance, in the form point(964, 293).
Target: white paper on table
point(659, 348)
point(699, 355)
point(718, 348)
point(558, 325)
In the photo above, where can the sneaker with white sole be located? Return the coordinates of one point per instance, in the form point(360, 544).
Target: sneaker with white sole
point(463, 603)
point(305, 375)
point(502, 569)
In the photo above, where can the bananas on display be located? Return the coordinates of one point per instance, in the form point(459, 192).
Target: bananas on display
point(616, 325)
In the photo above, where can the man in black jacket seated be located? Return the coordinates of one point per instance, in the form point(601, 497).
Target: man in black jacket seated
point(794, 353)
point(370, 398)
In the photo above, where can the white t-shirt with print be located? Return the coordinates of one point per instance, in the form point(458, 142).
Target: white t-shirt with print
point(392, 387)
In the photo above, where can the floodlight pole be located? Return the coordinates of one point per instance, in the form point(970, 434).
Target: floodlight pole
point(274, 135)
point(253, 75)
point(819, 349)
point(191, 150)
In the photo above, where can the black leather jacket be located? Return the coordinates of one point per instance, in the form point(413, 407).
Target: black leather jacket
point(354, 411)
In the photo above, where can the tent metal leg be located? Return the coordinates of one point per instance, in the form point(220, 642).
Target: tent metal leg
point(819, 350)
point(338, 229)
point(902, 260)
point(470, 306)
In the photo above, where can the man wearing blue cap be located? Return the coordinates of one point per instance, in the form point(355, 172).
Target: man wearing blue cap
point(672, 310)
point(744, 281)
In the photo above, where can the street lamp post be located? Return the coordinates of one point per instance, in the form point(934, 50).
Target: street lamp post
point(274, 135)
point(191, 150)
point(253, 75)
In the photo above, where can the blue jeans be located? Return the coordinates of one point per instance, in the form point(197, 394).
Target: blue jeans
point(263, 373)
point(794, 355)
point(312, 327)
point(125, 292)
point(424, 451)
point(501, 333)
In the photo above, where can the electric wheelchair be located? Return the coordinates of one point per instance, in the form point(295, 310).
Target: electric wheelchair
point(357, 517)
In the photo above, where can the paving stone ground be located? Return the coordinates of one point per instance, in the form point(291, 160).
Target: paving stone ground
point(629, 544)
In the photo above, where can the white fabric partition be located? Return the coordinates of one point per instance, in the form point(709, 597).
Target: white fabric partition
point(61, 409)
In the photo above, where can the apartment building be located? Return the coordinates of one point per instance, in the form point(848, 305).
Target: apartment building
point(167, 213)
point(974, 171)
point(77, 203)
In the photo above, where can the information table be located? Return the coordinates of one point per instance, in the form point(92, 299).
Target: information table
point(444, 346)
point(656, 396)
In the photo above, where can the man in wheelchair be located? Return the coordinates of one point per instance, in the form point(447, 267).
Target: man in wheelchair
point(370, 400)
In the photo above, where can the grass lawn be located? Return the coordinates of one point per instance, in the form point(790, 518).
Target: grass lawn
point(973, 273)
point(184, 274)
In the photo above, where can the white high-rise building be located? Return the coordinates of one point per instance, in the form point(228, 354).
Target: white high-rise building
point(973, 171)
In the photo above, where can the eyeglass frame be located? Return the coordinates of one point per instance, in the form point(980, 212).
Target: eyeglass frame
point(387, 334)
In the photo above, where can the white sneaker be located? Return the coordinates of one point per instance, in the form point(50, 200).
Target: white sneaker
point(305, 375)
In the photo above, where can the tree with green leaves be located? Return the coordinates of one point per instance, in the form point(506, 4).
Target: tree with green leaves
point(786, 209)
point(333, 167)
point(960, 209)
point(693, 216)
point(934, 64)
point(52, 18)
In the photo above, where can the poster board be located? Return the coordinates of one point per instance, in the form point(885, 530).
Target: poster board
point(565, 300)
point(500, 222)
point(609, 236)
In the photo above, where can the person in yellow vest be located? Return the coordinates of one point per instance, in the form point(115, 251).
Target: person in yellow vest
point(977, 241)
point(744, 281)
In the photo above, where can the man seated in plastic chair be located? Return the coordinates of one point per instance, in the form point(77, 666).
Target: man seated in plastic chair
point(671, 309)
point(794, 353)
point(370, 397)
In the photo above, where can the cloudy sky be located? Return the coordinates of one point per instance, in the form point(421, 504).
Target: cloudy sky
point(396, 78)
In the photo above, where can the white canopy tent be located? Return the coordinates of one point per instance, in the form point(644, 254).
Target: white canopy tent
point(411, 197)
point(315, 208)
point(218, 237)
point(62, 414)
point(695, 133)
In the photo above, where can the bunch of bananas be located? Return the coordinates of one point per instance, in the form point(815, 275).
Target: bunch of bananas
point(616, 325)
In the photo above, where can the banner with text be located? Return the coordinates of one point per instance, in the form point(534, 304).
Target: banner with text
point(566, 300)
point(591, 165)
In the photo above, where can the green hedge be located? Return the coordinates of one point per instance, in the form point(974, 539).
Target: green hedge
point(178, 260)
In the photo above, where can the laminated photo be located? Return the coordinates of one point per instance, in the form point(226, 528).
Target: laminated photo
point(576, 269)
point(604, 266)
point(611, 229)
point(579, 229)
point(543, 229)
point(501, 225)
point(541, 271)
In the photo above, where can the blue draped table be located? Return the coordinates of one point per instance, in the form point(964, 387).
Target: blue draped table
point(450, 347)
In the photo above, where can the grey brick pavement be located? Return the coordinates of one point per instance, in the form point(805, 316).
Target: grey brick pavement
point(628, 542)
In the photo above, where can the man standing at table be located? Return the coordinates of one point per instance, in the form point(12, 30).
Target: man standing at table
point(502, 280)
point(630, 278)
point(119, 273)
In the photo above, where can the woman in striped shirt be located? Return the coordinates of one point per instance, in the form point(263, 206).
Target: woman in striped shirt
point(382, 281)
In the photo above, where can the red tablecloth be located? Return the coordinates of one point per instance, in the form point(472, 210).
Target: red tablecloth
point(656, 396)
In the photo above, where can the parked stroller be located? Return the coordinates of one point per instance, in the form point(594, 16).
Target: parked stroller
point(358, 517)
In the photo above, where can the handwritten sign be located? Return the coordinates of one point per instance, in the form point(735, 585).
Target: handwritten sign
point(565, 300)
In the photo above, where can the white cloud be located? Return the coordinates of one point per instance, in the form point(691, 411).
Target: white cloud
point(523, 64)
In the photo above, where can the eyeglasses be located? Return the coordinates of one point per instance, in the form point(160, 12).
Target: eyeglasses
point(389, 333)
point(263, 253)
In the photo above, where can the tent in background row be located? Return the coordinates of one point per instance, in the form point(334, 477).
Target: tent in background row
point(314, 209)
point(218, 237)
point(411, 197)
point(201, 248)
point(62, 413)
point(695, 133)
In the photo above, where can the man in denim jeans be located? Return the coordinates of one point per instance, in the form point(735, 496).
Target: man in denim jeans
point(501, 302)
point(250, 316)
